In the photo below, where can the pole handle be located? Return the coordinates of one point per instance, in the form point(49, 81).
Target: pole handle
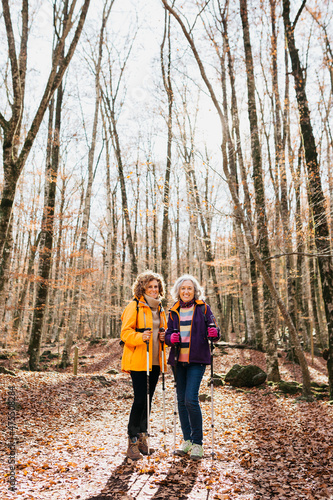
point(212, 346)
point(177, 344)
point(147, 341)
point(162, 330)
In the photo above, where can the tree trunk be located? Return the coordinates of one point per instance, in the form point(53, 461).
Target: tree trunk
point(87, 200)
point(280, 144)
point(317, 200)
point(147, 217)
point(245, 286)
point(251, 303)
point(47, 231)
point(178, 260)
point(269, 306)
point(244, 268)
point(20, 309)
point(155, 235)
point(56, 293)
point(166, 194)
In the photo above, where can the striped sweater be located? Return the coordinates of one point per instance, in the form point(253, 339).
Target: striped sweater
point(185, 331)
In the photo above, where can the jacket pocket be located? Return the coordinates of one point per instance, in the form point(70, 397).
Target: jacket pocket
point(130, 347)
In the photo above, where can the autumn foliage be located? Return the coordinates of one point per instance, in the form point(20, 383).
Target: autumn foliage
point(71, 436)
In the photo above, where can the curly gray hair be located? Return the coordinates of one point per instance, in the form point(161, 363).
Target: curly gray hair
point(198, 290)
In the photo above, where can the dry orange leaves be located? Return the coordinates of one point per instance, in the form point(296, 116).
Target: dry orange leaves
point(71, 438)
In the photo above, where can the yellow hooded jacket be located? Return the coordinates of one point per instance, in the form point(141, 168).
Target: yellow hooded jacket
point(136, 318)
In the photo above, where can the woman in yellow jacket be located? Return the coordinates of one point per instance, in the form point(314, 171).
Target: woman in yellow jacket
point(142, 320)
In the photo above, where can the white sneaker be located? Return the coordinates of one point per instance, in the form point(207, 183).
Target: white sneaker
point(184, 448)
point(196, 452)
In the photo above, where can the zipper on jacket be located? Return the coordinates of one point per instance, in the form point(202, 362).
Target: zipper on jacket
point(179, 329)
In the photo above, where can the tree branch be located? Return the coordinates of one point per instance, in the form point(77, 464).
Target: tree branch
point(197, 58)
point(313, 255)
point(299, 13)
point(198, 15)
point(23, 48)
point(3, 122)
point(11, 48)
point(53, 81)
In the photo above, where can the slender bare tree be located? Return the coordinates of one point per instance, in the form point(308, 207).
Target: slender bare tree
point(17, 145)
point(317, 199)
point(166, 76)
point(83, 255)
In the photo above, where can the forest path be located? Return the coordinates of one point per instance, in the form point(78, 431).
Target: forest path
point(71, 438)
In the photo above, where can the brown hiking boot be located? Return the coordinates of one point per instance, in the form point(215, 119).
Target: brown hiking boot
point(133, 449)
point(143, 445)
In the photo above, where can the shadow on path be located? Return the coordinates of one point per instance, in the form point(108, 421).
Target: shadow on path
point(118, 483)
point(177, 484)
point(179, 481)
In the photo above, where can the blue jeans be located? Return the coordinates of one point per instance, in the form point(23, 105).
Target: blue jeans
point(189, 378)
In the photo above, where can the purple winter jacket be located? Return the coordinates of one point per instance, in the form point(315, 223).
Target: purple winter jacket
point(199, 346)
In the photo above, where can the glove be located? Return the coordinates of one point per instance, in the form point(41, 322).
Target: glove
point(175, 338)
point(212, 333)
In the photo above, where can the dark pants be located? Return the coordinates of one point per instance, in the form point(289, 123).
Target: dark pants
point(138, 416)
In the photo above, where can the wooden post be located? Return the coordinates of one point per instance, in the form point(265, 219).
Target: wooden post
point(76, 355)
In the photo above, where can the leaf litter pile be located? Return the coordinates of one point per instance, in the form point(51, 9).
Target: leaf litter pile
point(71, 436)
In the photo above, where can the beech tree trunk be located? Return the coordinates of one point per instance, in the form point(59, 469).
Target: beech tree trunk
point(316, 196)
point(243, 260)
point(166, 75)
point(279, 140)
point(269, 306)
point(47, 231)
point(110, 95)
point(251, 303)
point(75, 310)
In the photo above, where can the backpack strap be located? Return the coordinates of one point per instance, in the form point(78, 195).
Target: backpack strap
point(121, 342)
point(204, 309)
point(137, 307)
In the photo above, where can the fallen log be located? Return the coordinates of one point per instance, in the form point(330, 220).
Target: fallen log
point(234, 345)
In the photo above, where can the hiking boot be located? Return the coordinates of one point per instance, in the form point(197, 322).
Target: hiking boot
point(184, 448)
point(133, 451)
point(143, 445)
point(196, 452)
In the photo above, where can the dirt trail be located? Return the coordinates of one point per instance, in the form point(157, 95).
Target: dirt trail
point(71, 438)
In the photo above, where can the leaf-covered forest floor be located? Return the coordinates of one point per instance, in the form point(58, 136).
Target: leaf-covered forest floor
point(71, 436)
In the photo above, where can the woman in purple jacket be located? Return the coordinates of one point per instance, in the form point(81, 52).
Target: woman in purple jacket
point(191, 323)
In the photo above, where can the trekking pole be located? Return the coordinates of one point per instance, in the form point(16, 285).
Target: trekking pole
point(163, 388)
point(177, 348)
point(148, 408)
point(212, 388)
